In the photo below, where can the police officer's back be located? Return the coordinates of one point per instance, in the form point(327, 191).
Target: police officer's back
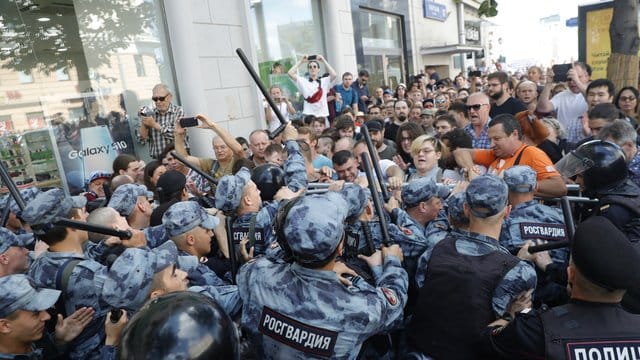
point(593, 325)
point(300, 310)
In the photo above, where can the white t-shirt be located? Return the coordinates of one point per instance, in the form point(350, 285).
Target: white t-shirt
point(569, 106)
point(308, 88)
point(274, 119)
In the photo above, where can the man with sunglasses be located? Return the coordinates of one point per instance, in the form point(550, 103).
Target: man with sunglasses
point(157, 124)
point(315, 88)
point(478, 108)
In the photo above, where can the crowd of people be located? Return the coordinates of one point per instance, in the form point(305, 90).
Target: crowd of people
point(283, 247)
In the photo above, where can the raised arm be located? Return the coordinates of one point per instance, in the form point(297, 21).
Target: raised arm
point(228, 139)
point(332, 72)
point(293, 72)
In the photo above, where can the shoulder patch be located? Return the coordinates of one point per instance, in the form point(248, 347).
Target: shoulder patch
point(390, 295)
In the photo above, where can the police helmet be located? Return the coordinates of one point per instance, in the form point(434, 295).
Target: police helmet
point(601, 163)
point(269, 179)
point(180, 325)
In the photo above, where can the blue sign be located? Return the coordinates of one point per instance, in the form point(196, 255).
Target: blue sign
point(435, 11)
point(573, 22)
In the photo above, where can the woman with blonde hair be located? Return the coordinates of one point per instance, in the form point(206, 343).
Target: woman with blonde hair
point(426, 151)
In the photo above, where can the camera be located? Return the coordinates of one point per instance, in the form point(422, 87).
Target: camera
point(312, 57)
point(145, 111)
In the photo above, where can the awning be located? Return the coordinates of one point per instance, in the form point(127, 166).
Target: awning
point(449, 49)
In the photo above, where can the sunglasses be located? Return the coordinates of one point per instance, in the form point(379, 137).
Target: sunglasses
point(159, 98)
point(313, 67)
point(475, 107)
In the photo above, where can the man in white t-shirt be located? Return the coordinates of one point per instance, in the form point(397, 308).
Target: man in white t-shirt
point(570, 104)
point(313, 89)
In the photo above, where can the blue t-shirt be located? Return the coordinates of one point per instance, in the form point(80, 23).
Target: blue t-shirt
point(349, 97)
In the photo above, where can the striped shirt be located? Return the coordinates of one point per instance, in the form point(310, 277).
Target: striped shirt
point(159, 139)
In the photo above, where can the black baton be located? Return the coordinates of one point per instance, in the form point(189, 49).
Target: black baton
point(376, 198)
point(265, 93)
point(80, 225)
point(549, 246)
point(233, 263)
point(376, 165)
point(13, 189)
point(194, 168)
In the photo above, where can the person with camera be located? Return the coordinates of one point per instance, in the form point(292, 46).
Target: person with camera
point(315, 88)
point(157, 124)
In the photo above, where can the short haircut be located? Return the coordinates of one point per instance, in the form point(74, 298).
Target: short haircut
point(606, 111)
point(509, 124)
point(363, 73)
point(104, 216)
point(305, 130)
point(416, 144)
point(556, 125)
point(458, 138)
point(341, 157)
point(399, 101)
point(611, 88)
point(258, 131)
point(344, 122)
point(459, 107)
point(448, 118)
point(121, 162)
point(273, 148)
point(586, 67)
point(500, 76)
point(620, 131)
point(347, 74)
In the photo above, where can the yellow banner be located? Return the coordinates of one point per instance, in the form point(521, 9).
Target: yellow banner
point(598, 43)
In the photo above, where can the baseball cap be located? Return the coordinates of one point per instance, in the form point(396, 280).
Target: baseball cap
point(455, 206)
point(418, 190)
point(486, 195)
point(99, 174)
point(125, 197)
point(27, 194)
point(388, 92)
point(374, 125)
point(9, 239)
point(18, 292)
point(356, 198)
point(229, 190)
point(129, 279)
point(314, 226)
point(49, 205)
point(605, 255)
point(171, 182)
point(186, 215)
point(520, 179)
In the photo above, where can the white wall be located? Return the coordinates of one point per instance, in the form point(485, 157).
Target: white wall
point(211, 79)
point(339, 37)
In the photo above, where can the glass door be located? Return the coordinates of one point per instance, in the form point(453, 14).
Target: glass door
point(382, 48)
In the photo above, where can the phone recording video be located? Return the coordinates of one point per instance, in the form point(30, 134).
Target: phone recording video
point(188, 122)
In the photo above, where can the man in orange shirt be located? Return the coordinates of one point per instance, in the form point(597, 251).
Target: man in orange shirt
point(507, 150)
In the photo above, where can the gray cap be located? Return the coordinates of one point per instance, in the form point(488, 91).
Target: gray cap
point(455, 207)
point(49, 205)
point(229, 190)
point(418, 190)
point(129, 280)
point(28, 194)
point(314, 226)
point(125, 197)
point(486, 195)
point(356, 198)
point(18, 292)
point(9, 239)
point(186, 215)
point(520, 179)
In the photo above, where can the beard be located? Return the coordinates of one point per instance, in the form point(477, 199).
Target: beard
point(402, 117)
point(497, 95)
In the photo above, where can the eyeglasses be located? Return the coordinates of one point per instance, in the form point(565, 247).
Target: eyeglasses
point(441, 101)
point(160, 98)
point(475, 107)
point(627, 98)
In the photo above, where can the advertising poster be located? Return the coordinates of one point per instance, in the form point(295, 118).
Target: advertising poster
point(90, 132)
point(598, 42)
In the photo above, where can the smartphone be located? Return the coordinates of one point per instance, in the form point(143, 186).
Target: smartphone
point(312, 57)
point(560, 72)
point(186, 122)
point(475, 73)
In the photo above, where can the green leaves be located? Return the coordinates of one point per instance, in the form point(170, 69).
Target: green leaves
point(488, 8)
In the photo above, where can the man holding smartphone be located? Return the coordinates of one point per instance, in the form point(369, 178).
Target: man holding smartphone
point(157, 124)
point(314, 89)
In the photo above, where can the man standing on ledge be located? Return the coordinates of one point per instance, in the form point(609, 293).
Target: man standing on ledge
point(157, 124)
point(314, 89)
